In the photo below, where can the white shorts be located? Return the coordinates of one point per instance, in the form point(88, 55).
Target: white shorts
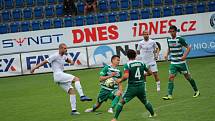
point(64, 80)
point(153, 67)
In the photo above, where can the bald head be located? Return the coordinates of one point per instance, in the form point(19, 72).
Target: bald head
point(62, 45)
point(62, 49)
point(146, 35)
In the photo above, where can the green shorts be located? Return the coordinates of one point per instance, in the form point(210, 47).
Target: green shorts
point(135, 91)
point(105, 94)
point(181, 68)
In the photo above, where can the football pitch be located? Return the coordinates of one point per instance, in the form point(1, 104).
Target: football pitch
point(38, 98)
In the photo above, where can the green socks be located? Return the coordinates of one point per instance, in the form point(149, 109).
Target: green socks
point(149, 108)
point(170, 87)
point(193, 84)
point(115, 101)
point(118, 110)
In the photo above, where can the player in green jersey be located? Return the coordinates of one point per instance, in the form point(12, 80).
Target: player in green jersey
point(109, 71)
point(134, 72)
point(178, 61)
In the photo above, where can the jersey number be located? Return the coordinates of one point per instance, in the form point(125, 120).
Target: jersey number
point(137, 74)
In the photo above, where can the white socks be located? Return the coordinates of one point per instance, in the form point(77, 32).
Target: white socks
point(158, 86)
point(73, 102)
point(79, 88)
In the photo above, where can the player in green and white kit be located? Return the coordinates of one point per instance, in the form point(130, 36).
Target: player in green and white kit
point(109, 71)
point(134, 72)
point(178, 61)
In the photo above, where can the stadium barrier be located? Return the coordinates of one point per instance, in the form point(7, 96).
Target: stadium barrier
point(92, 46)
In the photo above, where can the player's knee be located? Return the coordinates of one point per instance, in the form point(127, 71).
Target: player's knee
point(122, 102)
point(76, 79)
point(171, 77)
point(71, 91)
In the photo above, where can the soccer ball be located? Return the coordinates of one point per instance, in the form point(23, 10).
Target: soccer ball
point(109, 82)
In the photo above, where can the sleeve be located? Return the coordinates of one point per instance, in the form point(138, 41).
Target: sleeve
point(182, 41)
point(103, 72)
point(51, 58)
point(126, 68)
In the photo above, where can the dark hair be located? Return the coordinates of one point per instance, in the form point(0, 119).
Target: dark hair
point(114, 56)
point(131, 54)
point(173, 27)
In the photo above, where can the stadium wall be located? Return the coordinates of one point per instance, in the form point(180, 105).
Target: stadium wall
point(92, 46)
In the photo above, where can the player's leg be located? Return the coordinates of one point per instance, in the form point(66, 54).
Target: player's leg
point(185, 71)
point(78, 87)
point(102, 96)
point(154, 70)
point(141, 95)
point(172, 75)
point(128, 95)
point(70, 90)
point(115, 99)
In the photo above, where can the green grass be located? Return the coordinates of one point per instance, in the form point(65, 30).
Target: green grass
point(38, 98)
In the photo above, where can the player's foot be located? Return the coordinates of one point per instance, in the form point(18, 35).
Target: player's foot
point(196, 94)
point(75, 112)
point(113, 119)
point(89, 110)
point(85, 98)
point(151, 116)
point(110, 110)
point(168, 97)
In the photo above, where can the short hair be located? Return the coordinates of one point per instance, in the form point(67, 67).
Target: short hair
point(173, 27)
point(131, 54)
point(61, 44)
point(114, 56)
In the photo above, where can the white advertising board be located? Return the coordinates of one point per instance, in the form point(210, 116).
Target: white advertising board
point(118, 32)
point(101, 55)
point(10, 65)
point(78, 55)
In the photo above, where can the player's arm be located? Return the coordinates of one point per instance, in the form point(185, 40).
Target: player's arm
point(138, 48)
point(68, 60)
point(188, 48)
point(38, 65)
point(103, 78)
point(103, 74)
point(124, 77)
point(156, 53)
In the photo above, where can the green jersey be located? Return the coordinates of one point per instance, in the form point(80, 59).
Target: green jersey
point(176, 49)
point(107, 71)
point(136, 72)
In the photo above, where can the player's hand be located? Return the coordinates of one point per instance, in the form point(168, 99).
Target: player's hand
point(113, 74)
point(32, 70)
point(118, 81)
point(183, 58)
point(119, 93)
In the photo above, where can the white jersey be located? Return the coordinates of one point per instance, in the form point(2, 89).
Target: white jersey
point(147, 49)
point(57, 62)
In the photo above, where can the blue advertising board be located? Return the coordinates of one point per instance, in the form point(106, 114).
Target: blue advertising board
point(202, 45)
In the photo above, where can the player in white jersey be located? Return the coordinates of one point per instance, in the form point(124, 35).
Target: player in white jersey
point(149, 51)
point(64, 80)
